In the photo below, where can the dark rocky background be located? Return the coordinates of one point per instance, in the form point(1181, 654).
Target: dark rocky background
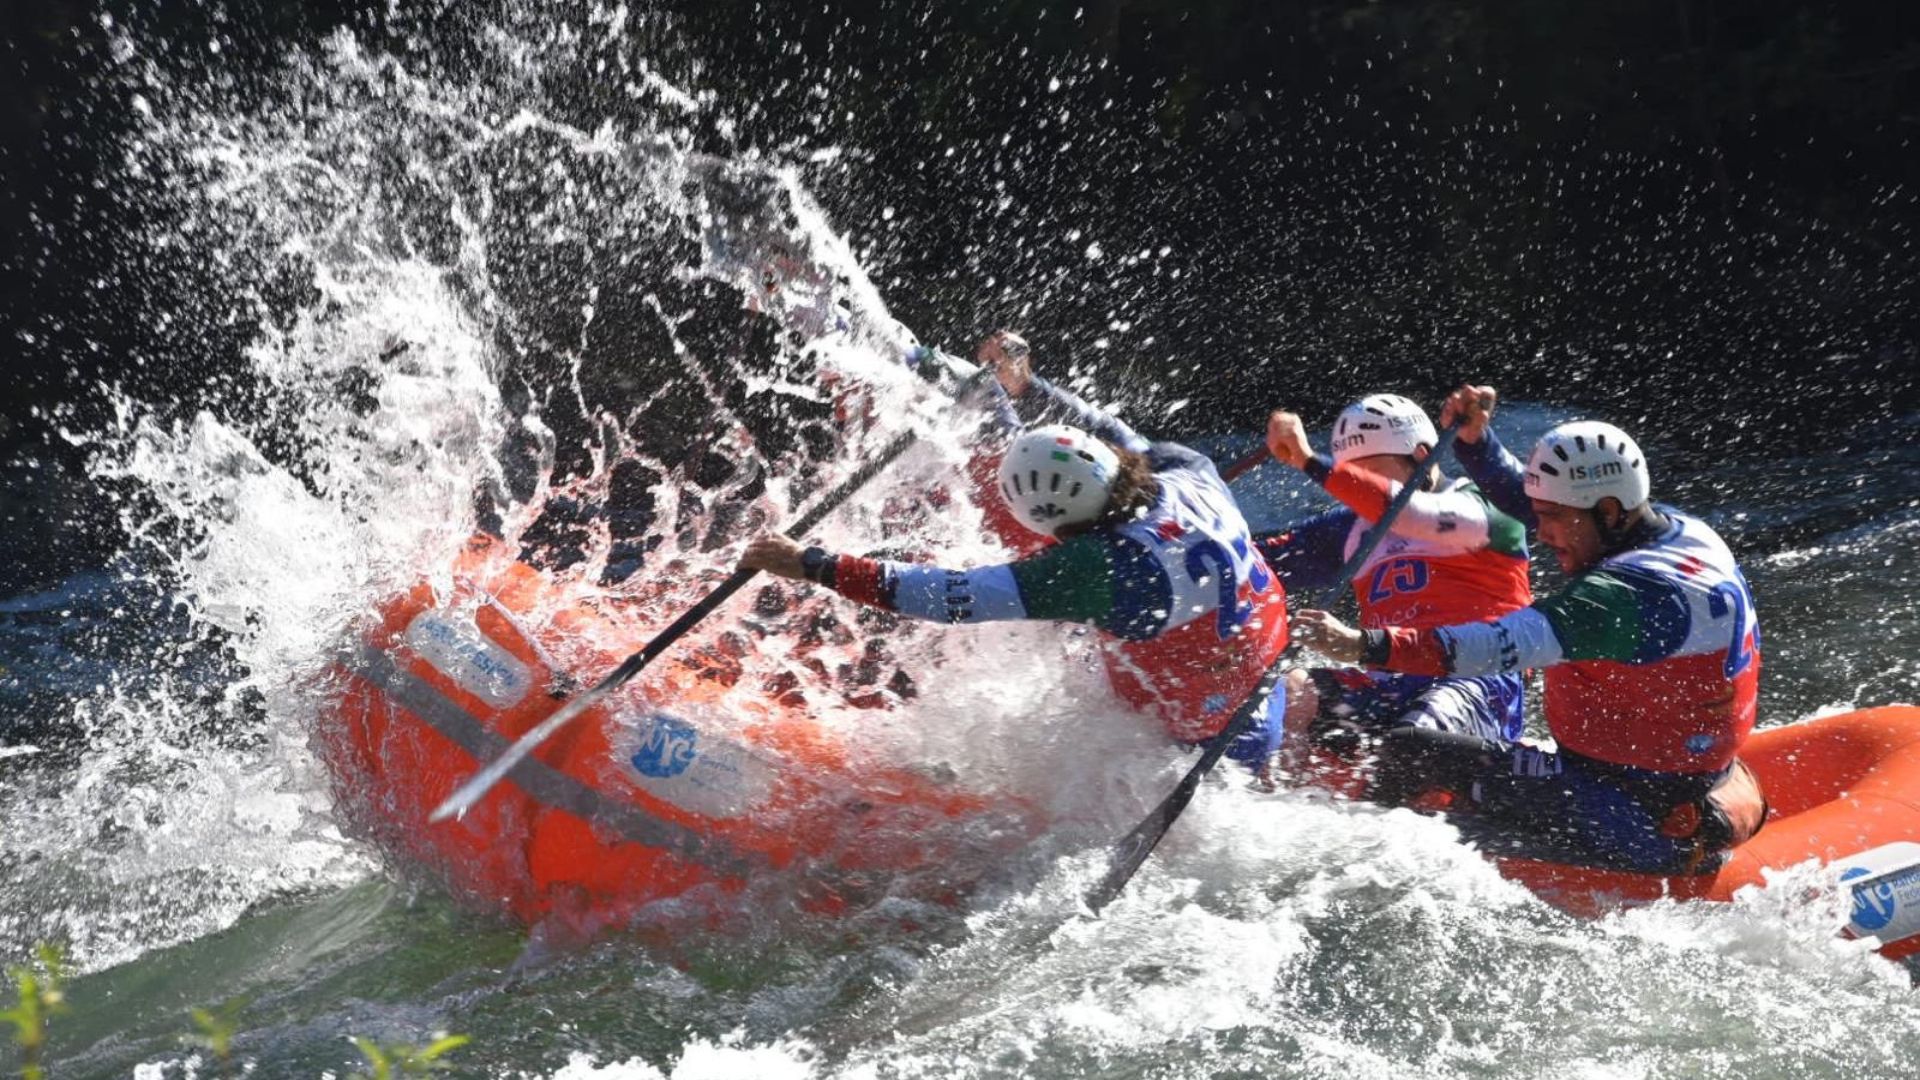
point(1696, 217)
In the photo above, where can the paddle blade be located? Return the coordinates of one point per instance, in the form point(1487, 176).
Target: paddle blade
point(483, 781)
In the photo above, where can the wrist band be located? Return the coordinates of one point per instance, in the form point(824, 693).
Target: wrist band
point(817, 565)
point(1376, 648)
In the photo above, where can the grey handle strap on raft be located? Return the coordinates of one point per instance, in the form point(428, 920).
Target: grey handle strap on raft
point(471, 792)
point(1132, 850)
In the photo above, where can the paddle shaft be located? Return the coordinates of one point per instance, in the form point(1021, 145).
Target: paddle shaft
point(1132, 850)
point(483, 781)
point(1246, 464)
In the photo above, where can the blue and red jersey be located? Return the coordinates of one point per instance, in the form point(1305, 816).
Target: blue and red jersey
point(1652, 656)
point(1193, 615)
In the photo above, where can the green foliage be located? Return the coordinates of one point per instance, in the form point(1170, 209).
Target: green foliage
point(387, 1061)
point(41, 997)
point(214, 1030)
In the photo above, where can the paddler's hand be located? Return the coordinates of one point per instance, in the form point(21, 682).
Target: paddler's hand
point(774, 555)
point(1327, 635)
point(1472, 408)
point(1287, 439)
point(1012, 362)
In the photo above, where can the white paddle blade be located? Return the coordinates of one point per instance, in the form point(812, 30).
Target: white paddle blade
point(483, 781)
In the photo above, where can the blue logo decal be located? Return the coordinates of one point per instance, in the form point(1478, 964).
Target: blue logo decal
point(1700, 744)
point(667, 749)
point(1214, 703)
point(1873, 902)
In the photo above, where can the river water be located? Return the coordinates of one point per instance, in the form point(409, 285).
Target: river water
point(164, 815)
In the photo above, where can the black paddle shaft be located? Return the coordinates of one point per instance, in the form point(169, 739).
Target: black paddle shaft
point(1132, 850)
point(739, 578)
point(481, 782)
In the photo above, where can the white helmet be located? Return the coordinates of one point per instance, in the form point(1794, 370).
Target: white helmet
point(1381, 424)
point(1057, 475)
point(1581, 462)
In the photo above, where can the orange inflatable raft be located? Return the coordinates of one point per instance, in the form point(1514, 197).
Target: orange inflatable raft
point(1843, 790)
point(717, 786)
point(679, 782)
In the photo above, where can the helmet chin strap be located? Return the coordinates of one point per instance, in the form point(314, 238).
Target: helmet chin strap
point(1426, 471)
point(1632, 530)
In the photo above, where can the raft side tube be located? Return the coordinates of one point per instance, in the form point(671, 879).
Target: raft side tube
point(1843, 790)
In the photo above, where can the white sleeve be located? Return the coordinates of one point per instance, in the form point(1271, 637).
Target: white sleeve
point(1453, 519)
point(1515, 642)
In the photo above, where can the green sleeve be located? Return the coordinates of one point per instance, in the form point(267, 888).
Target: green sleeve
point(1506, 534)
point(1070, 581)
point(1596, 617)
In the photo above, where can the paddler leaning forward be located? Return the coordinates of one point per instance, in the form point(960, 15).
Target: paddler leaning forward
point(1652, 663)
point(1146, 545)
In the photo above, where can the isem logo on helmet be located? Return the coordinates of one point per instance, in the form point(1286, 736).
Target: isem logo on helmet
point(667, 747)
point(1601, 471)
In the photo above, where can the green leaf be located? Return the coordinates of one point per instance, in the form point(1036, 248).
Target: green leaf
point(442, 1045)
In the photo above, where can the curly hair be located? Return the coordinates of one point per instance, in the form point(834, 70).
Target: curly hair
point(1129, 497)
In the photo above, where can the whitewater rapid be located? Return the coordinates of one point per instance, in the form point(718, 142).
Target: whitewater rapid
point(501, 310)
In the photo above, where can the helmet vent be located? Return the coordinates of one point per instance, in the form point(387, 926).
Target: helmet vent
point(1561, 453)
point(1548, 469)
point(1033, 479)
point(1074, 491)
point(1054, 484)
point(1017, 489)
point(1581, 442)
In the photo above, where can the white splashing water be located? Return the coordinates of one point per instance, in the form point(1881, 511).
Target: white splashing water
point(388, 375)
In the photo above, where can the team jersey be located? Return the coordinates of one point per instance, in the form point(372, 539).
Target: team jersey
point(1652, 657)
point(1193, 614)
point(1451, 556)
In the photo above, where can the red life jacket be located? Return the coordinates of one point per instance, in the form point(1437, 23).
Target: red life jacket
point(1229, 619)
point(1689, 709)
point(1447, 573)
point(1418, 584)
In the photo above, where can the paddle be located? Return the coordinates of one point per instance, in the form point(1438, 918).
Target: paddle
point(1133, 849)
point(1244, 465)
point(483, 781)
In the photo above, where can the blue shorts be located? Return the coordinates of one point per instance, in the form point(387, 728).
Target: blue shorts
point(1354, 701)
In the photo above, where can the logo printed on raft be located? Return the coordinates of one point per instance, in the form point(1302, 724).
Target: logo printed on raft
point(681, 761)
point(667, 748)
point(1878, 901)
point(456, 648)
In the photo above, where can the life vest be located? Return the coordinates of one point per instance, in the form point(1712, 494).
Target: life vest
point(1421, 584)
point(1689, 706)
point(1228, 623)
